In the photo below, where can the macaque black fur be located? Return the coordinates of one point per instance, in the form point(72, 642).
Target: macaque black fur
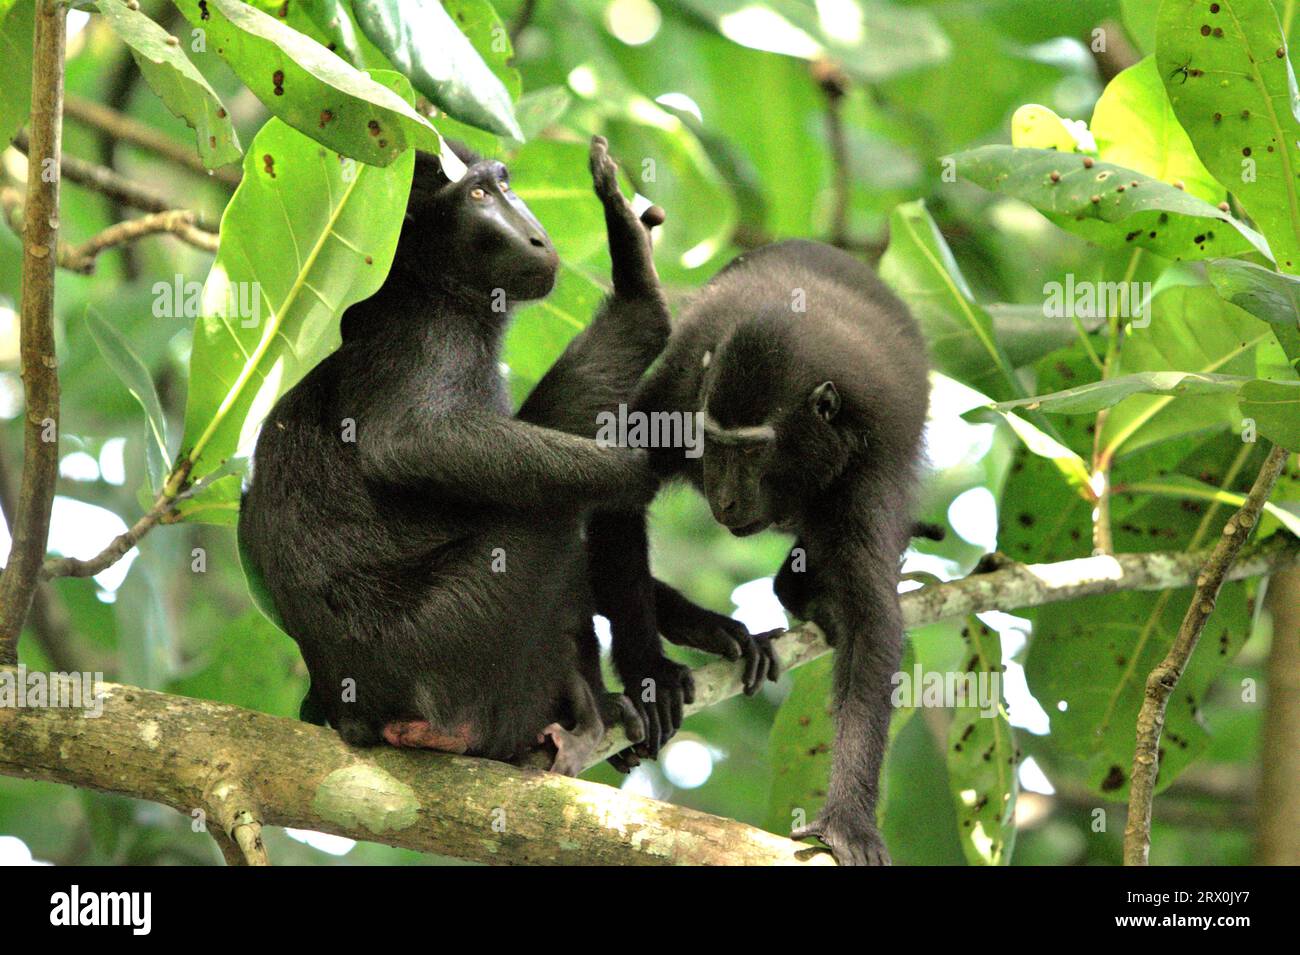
point(383, 554)
point(813, 422)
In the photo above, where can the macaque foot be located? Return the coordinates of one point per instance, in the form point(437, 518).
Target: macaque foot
point(852, 843)
point(421, 734)
point(573, 748)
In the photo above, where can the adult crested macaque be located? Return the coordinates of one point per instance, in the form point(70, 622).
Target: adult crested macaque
point(423, 546)
point(811, 378)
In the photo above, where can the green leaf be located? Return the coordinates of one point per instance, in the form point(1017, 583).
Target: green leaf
point(423, 42)
point(257, 589)
point(1189, 488)
point(1135, 127)
point(1153, 215)
point(1275, 408)
point(1225, 68)
point(800, 749)
point(174, 78)
point(1037, 127)
point(1068, 463)
point(919, 267)
point(1026, 334)
point(1191, 329)
point(16, 27)
point(982, 756)
point(1271, 296)
point(1090, 398)
point(311, 89)
point(305, 235)
point(121, 357)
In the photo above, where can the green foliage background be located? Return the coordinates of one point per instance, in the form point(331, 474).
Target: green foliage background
point(722, 123)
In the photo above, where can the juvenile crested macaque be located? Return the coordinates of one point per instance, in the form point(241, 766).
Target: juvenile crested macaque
point(433, 569)
point(812, 381)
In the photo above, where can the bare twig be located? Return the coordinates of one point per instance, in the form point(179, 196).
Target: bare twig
point(31, 518)
point(834, 84)
point(120, 545)
point(81, 258)
point(115, 186)
point(1162, 680)
point(125, 129)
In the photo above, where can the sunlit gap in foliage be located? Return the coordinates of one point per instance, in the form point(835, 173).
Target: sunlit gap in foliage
point(13, 851)
point(842, 21)
point(687, 761)
point(323, 841)
point(582, 80)
point(81, 530)
point(634, 22)
point(682, 102)
point(762, 29)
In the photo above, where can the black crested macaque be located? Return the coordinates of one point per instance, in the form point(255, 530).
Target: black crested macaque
point(424, 547)
point(811, 377)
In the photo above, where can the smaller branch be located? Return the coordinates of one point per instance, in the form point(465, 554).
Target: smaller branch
point(120, 545)
point(834, 84)
point(125, 129)
point(1118, 55)
point(239, 832)
point(115, 186)
point(1162, 680)
point(81, 258)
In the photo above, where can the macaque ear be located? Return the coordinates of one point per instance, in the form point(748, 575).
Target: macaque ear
point(825, 401)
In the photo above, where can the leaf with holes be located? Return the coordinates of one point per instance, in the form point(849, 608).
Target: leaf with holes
point(982, 753)
point(1135, 127)
point(1100, 201)
point(310, 88)
point(171, 75)
point(306, 234)
point(1225, 68)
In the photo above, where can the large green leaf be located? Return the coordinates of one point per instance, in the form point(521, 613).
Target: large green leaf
point(306, 234)
point(119, 355)
point(1135, 127)
point(1225, 68)
point(174, 78)
point(422, 40)
point(1266, 294)
point(16, 26)
point(1191, 329)
point(1130, 208)
point(312, 89)
point(919, 267)
point(982, 756)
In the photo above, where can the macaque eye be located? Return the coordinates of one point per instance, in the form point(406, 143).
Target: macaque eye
point(477, 193)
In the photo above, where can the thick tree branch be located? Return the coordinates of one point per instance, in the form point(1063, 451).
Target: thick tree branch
point(1162, 680)
point(246, 769)
point(1016, 587)
point(123, 128)
point(31, 518)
